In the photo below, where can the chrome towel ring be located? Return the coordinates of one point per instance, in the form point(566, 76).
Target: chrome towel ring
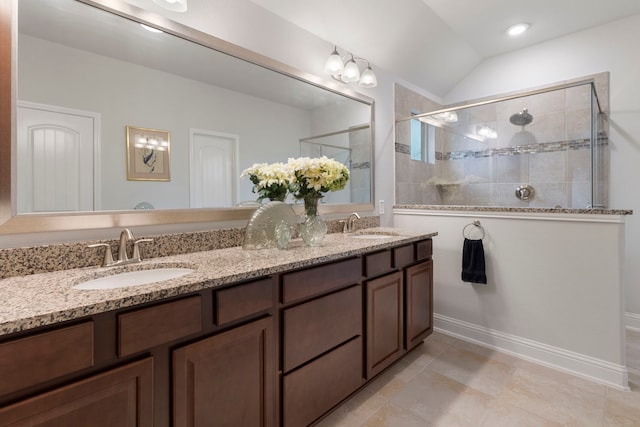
point(475, 224)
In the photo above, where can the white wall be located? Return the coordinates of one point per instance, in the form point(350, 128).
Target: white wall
point(612, 47)
point(554, 292)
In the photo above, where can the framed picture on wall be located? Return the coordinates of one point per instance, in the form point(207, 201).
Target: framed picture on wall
point(147, 154)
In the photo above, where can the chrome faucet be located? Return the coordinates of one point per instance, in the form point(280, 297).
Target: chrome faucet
point(123, 258)
point(350, 223)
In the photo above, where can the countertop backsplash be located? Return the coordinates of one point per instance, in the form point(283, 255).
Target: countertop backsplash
point(67, 256)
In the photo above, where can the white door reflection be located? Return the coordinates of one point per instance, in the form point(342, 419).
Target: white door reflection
point(55, 158)
point(214, 167)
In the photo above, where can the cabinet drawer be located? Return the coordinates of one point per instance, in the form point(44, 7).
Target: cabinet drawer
point(424, 249)
point(148, 327)
point(403, 256)
point(32, 360)
point(313, 390)
point(377, 263)
point(244, 300)
point(119, 397)
point(317, 326)
point(315, 280)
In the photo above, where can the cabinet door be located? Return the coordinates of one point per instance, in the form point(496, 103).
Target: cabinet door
point(227, 379)
point(315, 388)
point(384, 322)
point(119, 397)
point(419, 294)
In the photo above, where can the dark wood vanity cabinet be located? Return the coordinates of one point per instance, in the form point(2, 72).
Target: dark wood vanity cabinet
point(385, 321)
point(282, 350)
point(399, 309)
point(322, 348)
point(419, 303)
point(226, 380)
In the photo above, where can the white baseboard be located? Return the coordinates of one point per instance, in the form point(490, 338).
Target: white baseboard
point(632, 321)
point(587, 367)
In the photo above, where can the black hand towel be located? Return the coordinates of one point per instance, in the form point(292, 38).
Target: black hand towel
point(473, 262)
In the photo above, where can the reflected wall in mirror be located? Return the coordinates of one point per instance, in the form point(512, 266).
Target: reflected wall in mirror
point(84, 74)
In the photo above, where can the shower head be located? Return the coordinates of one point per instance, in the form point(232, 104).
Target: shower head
point(522, 118)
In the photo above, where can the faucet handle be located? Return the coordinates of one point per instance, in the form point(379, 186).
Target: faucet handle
point(344, 223)
point(108, 257)
point(136, 248)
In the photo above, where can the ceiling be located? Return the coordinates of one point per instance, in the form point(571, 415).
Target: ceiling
point(436, 43)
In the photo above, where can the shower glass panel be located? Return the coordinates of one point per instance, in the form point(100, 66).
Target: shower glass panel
point(348, 147)
point(544, 149)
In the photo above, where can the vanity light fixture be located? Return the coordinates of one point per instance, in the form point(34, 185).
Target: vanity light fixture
point(516, 30)
point(349, 72)
point(151, 143)
point(172, 5)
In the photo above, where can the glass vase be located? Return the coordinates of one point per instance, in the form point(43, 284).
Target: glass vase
point(313, 229)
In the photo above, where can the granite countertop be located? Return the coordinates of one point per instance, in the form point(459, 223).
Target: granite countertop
point(516, 209)
point(48, 298)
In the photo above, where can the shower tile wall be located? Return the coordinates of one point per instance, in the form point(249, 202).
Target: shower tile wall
point(360, 178)
point(411, 176)
point(552, 154)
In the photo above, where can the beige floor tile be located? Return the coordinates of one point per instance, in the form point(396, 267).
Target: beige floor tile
point(354, 411)
point(622, 408)
point(551, 395)
point(473, 369)
point(447, 382)
point(444, 338)
point(341, 417)
point(392, 416)
point(442, 400)
point(489, 353)
point(564, 378)
point(386, 385)
point(501, 414)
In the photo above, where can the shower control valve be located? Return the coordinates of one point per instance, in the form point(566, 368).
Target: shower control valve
point(525, 192)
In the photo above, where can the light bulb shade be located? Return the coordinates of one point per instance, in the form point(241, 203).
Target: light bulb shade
point(172, 5)
point(351, 72)
point(368, 78)
point(334, 64)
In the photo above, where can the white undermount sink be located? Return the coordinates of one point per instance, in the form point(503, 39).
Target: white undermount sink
point(133, 278)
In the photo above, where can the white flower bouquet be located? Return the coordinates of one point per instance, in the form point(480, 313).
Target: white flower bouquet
point(270, 181)
point(311, 177)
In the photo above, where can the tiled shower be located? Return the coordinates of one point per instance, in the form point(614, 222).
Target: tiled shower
point(542, 148)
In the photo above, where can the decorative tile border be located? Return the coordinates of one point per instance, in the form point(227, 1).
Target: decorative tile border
point(547, 147)
point(403, 148)
point(361, 165)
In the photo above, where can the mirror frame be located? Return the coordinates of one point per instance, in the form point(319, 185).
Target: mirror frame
point(11, 223)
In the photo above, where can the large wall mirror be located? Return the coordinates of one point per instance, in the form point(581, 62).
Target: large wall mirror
point(90, 85)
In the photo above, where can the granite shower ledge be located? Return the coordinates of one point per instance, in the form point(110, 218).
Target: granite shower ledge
point(510, 209)
point(48, 298)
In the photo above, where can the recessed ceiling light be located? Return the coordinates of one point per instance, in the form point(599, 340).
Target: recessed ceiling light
point(518, 29)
